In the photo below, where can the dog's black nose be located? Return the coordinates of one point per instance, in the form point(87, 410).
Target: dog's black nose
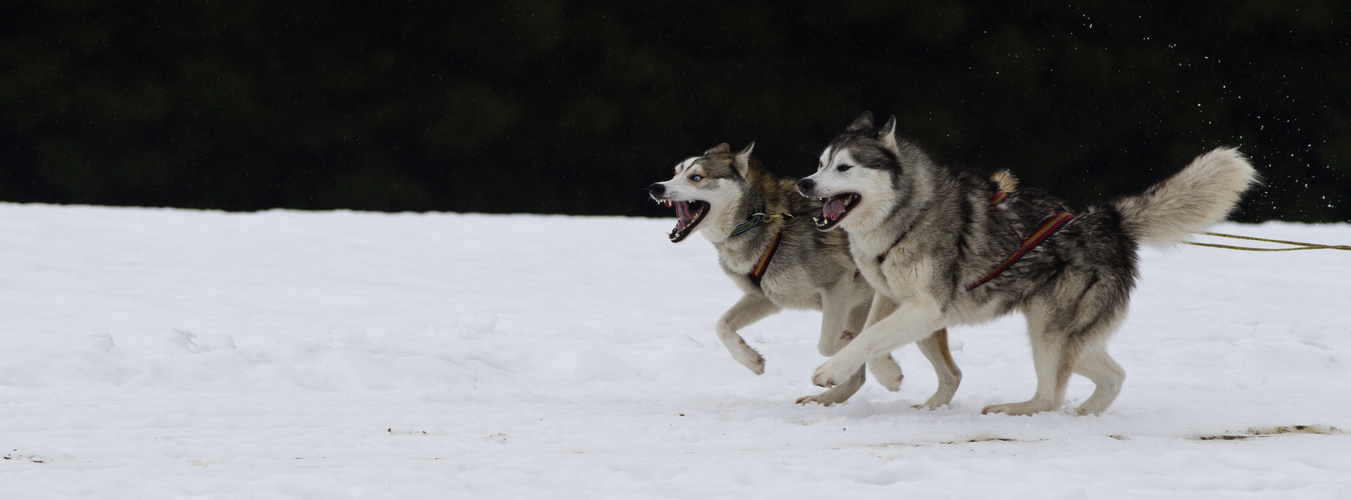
point(805, 185)
point(657, 189)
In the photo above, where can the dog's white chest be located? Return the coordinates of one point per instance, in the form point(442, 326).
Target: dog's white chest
point(898, 273)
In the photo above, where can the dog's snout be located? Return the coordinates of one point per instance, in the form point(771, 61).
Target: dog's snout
point(805, 185)
point(657, 189)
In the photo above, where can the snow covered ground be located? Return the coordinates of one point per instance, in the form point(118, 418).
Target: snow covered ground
point(150, 353)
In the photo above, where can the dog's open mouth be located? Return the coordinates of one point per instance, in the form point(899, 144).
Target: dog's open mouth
point(688, 216)
point(835, 208)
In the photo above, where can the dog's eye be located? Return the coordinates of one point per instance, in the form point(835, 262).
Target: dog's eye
point(696, 178)
point(845, 167)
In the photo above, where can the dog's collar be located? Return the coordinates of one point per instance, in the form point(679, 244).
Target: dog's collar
point(883, 256)
point(757, 218)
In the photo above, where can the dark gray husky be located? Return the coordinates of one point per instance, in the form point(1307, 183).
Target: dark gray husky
point(768, 245)
point(943, 246)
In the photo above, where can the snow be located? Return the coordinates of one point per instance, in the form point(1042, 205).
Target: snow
point(154, 353)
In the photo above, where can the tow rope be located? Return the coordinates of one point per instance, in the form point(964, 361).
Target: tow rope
point(1295, 245)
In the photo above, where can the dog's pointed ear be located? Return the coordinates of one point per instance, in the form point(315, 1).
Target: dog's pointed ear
point(719, 149)
point(742, 161)
point(863, 123)
point(888, 135)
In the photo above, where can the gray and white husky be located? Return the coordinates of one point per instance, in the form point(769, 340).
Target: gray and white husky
point(929, 237)
point(769, 247)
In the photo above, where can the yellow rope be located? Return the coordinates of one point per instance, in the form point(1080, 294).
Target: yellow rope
point(1297, 245)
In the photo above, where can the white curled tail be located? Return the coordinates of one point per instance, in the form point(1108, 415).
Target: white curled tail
point(1190, 201)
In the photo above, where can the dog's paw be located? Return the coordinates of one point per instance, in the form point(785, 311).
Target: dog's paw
point(1005, 409)
point(837, 394)
point(938, 400)
point(754, 361)
point(930, 405)
point(821, 378)
point(748, 357)
point(823, 399)
point(832, 373)
point(887, 372)
point(1018, 409)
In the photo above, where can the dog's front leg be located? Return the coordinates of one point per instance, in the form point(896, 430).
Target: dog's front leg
point(837, 307)
point(910, 322)
point(842, 316)
point(748, 310)
point(884, 367)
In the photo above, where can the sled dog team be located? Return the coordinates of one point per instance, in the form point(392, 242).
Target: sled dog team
point(893, 247)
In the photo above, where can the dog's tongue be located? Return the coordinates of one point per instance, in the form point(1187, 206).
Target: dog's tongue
point(833, 208)
point(683, 212)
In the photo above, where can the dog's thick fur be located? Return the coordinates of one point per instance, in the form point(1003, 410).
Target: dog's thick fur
point(718, 191)
point(921, 231)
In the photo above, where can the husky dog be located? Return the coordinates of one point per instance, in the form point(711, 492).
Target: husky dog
point(931, 238)
point(769, 248)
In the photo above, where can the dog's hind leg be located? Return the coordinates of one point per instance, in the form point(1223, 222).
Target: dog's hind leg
point(748, 310)
point(1069, 326)
point(1051, 358)
point(841, 319)
point(935, 349)
point(1106, 374)
point(1050, 330)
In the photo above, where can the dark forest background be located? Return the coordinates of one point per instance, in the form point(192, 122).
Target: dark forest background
point(575, 107)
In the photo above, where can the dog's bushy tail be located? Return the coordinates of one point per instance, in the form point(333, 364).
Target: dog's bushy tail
point(1190, 201)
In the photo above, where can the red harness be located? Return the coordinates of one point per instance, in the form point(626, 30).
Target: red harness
point(1044, 231)
point(758, 271)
